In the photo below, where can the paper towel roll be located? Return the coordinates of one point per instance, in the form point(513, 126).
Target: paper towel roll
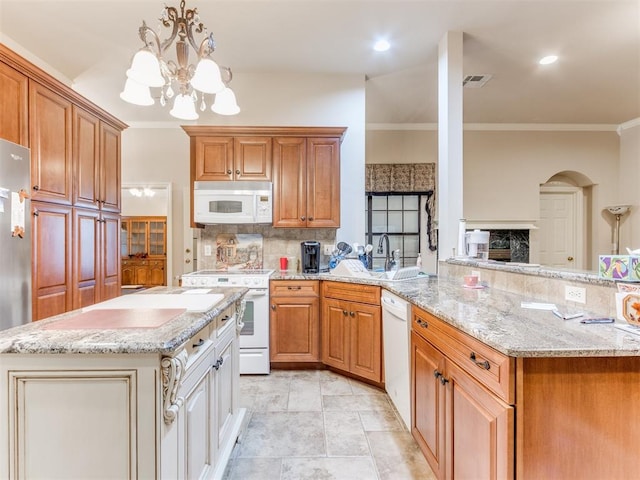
point(462, 230)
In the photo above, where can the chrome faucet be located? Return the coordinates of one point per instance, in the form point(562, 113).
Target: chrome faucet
point(389, 263)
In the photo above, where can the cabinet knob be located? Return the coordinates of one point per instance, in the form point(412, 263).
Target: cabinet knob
point(344, 312)
point(36, 187)
point(422, 323)
point(303, 218)
point(237, 172)
point(273, 307)
point(570, 259)
point(187, 261)
point(437, 374)
point(311, 219)
point(36, 213)
point(443, 380)
point(229, 172)
point(352, 314)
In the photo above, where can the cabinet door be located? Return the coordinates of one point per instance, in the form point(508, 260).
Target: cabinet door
point(14, 98)
point(252, 158)
point(142, 274)
point(109, 256)
point(156, 272)
point(224, 389)
point(295, 326)
point(485, 446)
point(128, 273)
point(198, 429)
point(124, 237)
point(427, 403)
point(335, 334)
point(137, 237)
point(109, 168)
point(86, 257)
point(86, 158)
point(157, 238)
point(50, 134)
point(323, 182)
point(213, 158)
point(289, 182)
point(366, 341)
point(52, 262)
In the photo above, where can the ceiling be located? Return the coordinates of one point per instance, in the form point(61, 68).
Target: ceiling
point(89, 44)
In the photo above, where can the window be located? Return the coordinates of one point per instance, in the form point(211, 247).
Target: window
point(399, 217)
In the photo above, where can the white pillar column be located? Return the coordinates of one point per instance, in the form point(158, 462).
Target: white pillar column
point(449, 192)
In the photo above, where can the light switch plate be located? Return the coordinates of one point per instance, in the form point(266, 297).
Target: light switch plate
point(207, 250)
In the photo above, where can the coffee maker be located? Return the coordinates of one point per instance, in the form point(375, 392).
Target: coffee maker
point(310, 256)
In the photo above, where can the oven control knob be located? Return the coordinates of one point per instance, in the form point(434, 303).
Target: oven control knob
point(246, 281)
point(203, 281)
point(256, 281)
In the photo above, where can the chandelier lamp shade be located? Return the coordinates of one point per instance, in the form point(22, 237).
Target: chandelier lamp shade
point(187, 83)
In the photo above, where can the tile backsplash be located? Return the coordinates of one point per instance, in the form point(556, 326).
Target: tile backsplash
point(277, 242)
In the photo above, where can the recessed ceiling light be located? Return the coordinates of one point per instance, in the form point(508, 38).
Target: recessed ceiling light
point(548, 59)
point(381, 46)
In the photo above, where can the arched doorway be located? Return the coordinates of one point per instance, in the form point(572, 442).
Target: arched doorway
point(563, 237)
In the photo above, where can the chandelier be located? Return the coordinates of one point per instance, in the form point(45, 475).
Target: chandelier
point(150, 69)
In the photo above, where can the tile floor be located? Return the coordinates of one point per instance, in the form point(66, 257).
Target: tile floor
point(316, 424)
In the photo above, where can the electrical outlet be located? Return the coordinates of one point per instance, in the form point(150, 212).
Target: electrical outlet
point(207, 250)
point(327, 249)
point(575, 294)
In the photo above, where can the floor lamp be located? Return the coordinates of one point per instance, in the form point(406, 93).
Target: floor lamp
point(618, 211)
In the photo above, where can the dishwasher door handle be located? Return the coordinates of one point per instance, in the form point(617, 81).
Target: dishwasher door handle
point(397, 309)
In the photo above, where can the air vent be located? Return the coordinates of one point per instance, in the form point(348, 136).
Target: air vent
point(476, 81)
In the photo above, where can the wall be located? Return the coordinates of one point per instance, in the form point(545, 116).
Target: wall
point(503, 170)
point(160, 152)
point(629, 182)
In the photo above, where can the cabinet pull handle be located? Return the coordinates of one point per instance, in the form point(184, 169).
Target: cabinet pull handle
point(199, 344)
point(36, 187)
point(273, 307)
point(295, 288)
point(303, 218)
point(422, 323)
point(225, 318)
point(486, 365)
point(36, 213)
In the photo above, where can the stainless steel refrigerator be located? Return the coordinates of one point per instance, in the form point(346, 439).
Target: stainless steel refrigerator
point(15, 235)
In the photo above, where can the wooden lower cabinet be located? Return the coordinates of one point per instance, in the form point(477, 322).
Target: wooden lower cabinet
point(464, 429)
point(294, 322)
point(145, 272)
point(352, 330)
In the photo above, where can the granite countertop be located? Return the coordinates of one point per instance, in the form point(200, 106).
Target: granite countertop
point(39, 337)
point(496, 318)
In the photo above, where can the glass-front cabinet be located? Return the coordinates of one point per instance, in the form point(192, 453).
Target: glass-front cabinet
point(143, 246)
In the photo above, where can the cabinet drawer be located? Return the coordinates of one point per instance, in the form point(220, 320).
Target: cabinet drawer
point(298, 288)
point(491, 368)
point(196, 345)
point(352, 292)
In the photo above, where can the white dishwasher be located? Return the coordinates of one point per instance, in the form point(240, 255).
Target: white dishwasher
point(396, 332)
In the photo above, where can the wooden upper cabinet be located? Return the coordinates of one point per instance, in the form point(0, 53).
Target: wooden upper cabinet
point(232, 158)
point(213, 158)
point(86, 158)
point(289, 182)
point(252, 158)
point(323, 182)
point(109, 168)
point(50, 118)
point(14, 98)
point(306, 187)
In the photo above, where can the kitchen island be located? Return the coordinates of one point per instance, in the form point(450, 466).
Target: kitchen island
point(141, 386)
point(501, 391)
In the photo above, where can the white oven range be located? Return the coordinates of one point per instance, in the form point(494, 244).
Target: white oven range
point(254, 336)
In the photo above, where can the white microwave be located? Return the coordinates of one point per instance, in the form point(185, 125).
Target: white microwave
point(232, 202)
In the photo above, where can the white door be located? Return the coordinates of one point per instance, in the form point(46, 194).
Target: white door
point(560, 227)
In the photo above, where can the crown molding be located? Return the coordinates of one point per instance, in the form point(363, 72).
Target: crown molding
point(505, 127)
point(626, 125)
